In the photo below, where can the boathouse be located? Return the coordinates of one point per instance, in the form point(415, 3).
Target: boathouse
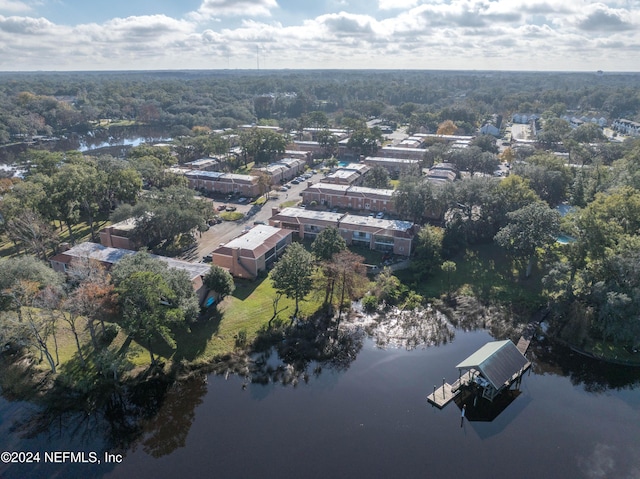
point(494, 367)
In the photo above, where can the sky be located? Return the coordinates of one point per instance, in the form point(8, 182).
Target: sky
point(560, 35)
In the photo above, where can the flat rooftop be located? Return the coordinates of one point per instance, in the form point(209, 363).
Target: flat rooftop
point(394, 225)
point(380, 159)
point(311, 214)
point(113, 255)
point(254, 238)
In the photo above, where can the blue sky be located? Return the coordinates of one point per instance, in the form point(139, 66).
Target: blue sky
point(410, 34)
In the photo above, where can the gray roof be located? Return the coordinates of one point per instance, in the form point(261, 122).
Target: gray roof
point(105, 254)
point(497, 361)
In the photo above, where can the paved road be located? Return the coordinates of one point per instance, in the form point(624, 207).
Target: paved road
point(227, 230)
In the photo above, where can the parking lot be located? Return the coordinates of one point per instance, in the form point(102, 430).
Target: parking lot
point(227, 230)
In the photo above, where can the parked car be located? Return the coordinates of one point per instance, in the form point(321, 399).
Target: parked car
point(295, 182)
point(230, 208)
point(242, 200)
point(371, 215)
point(282, 188)
point(380, 215)
point(207, 258)
point(258, 222)
point(221, 207)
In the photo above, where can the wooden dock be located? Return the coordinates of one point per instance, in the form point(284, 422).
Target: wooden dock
point(529, 331)
point(447, 392)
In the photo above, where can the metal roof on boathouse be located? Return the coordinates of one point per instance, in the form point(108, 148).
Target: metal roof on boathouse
point(497, 361)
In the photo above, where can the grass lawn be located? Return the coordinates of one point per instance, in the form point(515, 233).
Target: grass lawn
point(483, 271)
point(248, 310)
point(289, 203)
point(81, 233)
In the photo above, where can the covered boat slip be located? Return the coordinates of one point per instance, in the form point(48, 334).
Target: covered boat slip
point(492, 369)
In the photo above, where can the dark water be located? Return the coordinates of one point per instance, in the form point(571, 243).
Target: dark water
point(573, 418)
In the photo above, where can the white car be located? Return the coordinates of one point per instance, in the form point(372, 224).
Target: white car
point(380, 215)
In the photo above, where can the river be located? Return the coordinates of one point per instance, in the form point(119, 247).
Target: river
point(365, 416)
point(115, 141)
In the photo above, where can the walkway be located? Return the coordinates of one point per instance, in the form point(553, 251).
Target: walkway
point(447, 392)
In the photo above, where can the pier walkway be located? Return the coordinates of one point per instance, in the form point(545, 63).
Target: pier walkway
point(447, 392)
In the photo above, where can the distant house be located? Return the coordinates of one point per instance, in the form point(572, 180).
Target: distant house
point(377, 234)
point(283, 170)
point(626, 127)
point(252, 252)
point(109, 256)
point(394, 166)
point(401, 152)
point(313, 148)
point(206, 164)
point(352, 174)
point(489, 129)
point(297, 154)
point(442, 172)
point(352, 197)
point(118, 235)
point(225, 183)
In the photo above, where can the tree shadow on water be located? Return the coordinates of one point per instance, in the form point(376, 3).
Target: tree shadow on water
point(290, 354)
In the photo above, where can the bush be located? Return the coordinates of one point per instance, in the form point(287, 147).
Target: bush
point(241, 338)
point(369, 303)
point(231, 216)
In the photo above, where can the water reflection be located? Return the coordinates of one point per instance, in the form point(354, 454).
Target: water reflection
point(595, 376)
point(359, 395)
point(115, 141)
point(407, 329)
point(167, 430)
point(304, 351)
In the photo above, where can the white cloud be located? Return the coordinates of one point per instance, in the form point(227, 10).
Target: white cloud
point(14, 6)
point(605, 19)
point(235, 8)
point(480, 34)
point(25, 25)
point(396, 4)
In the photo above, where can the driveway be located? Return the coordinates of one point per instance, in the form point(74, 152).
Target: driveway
point(227, 230)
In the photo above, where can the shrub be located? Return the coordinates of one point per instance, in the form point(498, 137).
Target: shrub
point(369, 303)
point(231, 216)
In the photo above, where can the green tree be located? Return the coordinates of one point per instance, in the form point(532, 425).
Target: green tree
point(365, 141)
point(428, 252)
point(292, 274)
point(548, 176)
point(167, 218)
point(23, 280)
point(327, 243)
point(148, 309)
point(219, 280)
point(377, 177)
point(177, 280)
point(531, 227)
point(261, 145)
point(328, 142)
point(414, 198)
point(448, 267)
